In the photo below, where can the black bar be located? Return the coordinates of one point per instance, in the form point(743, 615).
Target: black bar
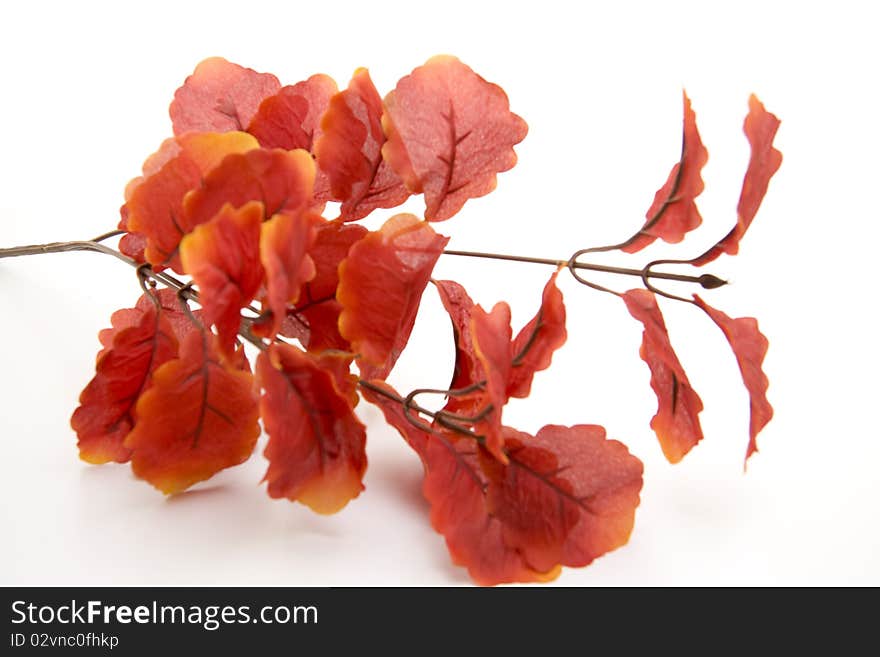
point(540, 620)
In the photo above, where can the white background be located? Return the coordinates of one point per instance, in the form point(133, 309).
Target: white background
point(85, 92)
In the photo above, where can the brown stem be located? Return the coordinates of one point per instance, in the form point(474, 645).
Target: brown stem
point(408, 404)
point(64, 247)
point(573, 264)
point(185, 290)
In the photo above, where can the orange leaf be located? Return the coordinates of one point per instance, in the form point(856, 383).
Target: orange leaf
point(139, 343)
point(292, 117)
point(491, 335)
point(760, 127)
point(220, 96)
point(284, 245)
point(677, 422)
point(154, 202)
point(281, 180)
point(449, 133)
point(534, 345)
point(380, 287)
point(223, 257)
point(749, 346)
point(350, 151)
point(316, 443)
point(674, 211)
point(198, 417)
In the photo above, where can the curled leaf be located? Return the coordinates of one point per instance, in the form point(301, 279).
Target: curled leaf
point(198, 417)
point(674, 211)
point(535, 344)
point(677, 422)
point(223, 257)
point(153, 212)
point(449, 133)
point(750, 347)
point(468, 369)
point(380, 287)
point(140, 341)
point(350, 151)
point(760, 127)
point(316, 443)
point(284, 245)
point(220, 96)
point(491, 337)
point(485, 354)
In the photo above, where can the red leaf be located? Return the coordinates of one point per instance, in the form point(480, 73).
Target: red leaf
point(456, 485)
point(457, 489)
point(674, 211)
point(316, 443)
point(468, 369)
point(284, 245)
point(749, 346)
point(760, 127)
point(491, 336)
point(281, 180)
point(220, 96)
point(171, 308)
point(338, 365)
point(677, 422)
point(119, 321)
point(534, 345)
point(141, 341)
point(316, 326)
point(197, 418)
point(380, 287)
point(332, 245)
point(315, 322)
point(223, 257)
point(511, 365)
point(350, 151)
point(567, 496)
point(154, 202)
point(131, 244)
point(449, 133)
point(292, 117)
